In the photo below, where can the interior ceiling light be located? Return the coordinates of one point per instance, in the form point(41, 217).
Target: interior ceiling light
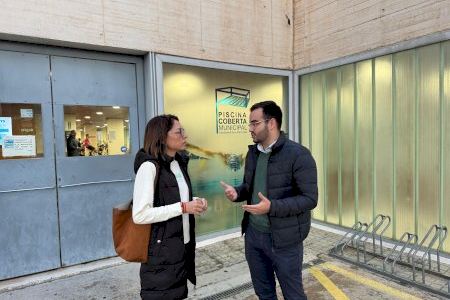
point(99, 113)
point(78, 120)
point(126, 121)
point(116, 107)
point(105, 124)
point(87, 117)
point(97, 126)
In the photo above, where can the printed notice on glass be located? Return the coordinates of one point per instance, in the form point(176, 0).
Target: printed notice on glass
point(19, 145)
point(5, 127)
point(26, 113)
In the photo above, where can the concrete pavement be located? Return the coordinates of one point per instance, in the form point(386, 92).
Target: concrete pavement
point(222, 274)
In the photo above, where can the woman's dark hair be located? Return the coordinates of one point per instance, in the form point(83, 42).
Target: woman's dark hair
point(270, 110)
point(156, 134)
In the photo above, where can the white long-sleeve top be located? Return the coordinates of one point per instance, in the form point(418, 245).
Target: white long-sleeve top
point(143, 198)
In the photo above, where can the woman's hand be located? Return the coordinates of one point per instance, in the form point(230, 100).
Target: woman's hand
point(204, 202)
point(197, 206)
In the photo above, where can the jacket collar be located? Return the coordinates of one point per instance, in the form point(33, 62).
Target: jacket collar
point(276, 147)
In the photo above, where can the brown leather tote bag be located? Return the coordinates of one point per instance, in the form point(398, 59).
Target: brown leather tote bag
point(130, 239)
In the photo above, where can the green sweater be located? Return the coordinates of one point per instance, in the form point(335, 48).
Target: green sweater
point(260, 222)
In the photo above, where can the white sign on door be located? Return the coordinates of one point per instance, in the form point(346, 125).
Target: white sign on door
point(19, 145)
point(26, 113)
point(5, 127)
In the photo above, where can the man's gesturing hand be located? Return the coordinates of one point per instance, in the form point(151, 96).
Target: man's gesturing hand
point(230, 191)
point(261, 208)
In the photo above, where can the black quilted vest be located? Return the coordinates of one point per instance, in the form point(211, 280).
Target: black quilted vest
point(171, 262)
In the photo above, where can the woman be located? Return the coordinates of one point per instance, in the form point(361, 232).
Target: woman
point(163, 197)
point(87, 145)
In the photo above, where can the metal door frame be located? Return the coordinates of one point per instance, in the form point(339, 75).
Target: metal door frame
point(25, 232)
point(50, 150)
point(159, 59)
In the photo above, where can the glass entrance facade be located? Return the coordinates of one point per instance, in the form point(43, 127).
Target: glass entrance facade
point(213, 106)
point(380, 132)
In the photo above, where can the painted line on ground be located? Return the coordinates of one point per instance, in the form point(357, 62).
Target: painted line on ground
point(328, 284)
point(369, 282)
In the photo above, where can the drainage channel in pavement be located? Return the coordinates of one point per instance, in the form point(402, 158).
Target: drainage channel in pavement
point(327, 279)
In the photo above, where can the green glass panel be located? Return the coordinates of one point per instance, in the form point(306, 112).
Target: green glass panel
point(348, 145)
point(317, 138)
point(304, 110)
point(429, 138)
point(383, 137)
point(446, 95)
point(365, 141)
point(332, 146)
point(404, 141)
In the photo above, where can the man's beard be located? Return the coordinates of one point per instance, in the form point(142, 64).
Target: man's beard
point(262, 136)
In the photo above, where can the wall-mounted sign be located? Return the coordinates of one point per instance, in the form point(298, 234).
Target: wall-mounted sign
point(5, 128)
point(26, 113)
point(19, 145)
point(231, 110)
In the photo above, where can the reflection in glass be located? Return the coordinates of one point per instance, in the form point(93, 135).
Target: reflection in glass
point(348, 145)
point(317, 139)
point(404, 141)
point(20, 131)
point(203, 167)
point(429, 138)
point(365, 140)
point(304, 111)
point(96, 130)
point(383, 138)
point(332, 147)
point(446, 101)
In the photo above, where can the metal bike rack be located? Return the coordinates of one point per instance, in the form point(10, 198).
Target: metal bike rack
point(363, 236)
point(402, 261)
point(406, 240)
point(349, 237)
point(439, 233)
point(379, 222)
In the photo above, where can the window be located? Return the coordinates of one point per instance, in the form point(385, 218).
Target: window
point(379, 131)
point(96, 130)
point(20, 131)
point(214, 107)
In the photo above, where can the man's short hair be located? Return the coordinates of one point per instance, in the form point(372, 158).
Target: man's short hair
point(270, 110)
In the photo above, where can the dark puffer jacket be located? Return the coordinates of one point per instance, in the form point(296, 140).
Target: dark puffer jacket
point(291, 188)
point(170, 262)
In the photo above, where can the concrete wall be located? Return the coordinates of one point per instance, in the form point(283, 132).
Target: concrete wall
point(328, 29)
point(285, 34)
point(252, 32)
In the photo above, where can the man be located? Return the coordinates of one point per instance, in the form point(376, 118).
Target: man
point(73, 146)
point(280, 187)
